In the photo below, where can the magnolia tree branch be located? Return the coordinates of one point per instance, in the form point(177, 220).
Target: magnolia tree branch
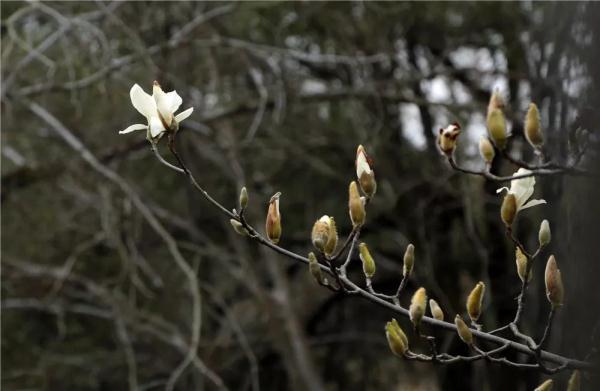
point(391, 302)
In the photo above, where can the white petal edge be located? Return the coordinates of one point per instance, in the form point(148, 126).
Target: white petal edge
point(503, 188)
point(184, 114)
point(133, 128)
point(532, 203)
point(173, 101)
point(143, 102)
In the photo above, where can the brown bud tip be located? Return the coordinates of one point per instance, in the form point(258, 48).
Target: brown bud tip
point(508, 210)
point(475, 301)
point(273, 223)
point(554, 286)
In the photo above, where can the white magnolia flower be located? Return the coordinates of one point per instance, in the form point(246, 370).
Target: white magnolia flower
point(522, 189)
point(158, 108)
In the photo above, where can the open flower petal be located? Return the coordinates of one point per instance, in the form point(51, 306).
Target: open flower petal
point(173, 101)
point(184, 114)
point(156, 126)
point(532, 203)
point(133, 127)
point(143, 102)
point(162, 103)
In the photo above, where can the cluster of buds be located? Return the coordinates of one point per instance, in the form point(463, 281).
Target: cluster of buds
point(324, 235)
point(396, 338)
point(447, 138)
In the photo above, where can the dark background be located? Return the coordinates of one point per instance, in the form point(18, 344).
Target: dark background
point(283, 94)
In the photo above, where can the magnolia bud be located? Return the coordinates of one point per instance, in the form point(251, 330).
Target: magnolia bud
point(496, 102)
point(356, 205)
point(574, 381)
point(486, 149)
point(332, 239)
point(475, 300)
point(533, 131)
point(464, 332)
point(508, 210)
point(238, 227)
point(521, 260)
point(273, 224)
point(314, 268)
point(497, 128)
point(320, 233)
point(243, 198)
point(367, 260)
point(544, 235)
point(409, 260)
point(418, 304)
point(396, 338)
point(447, 138)
point(554, 286)
point(364, 172)
point(545, 386)
point(435, 309)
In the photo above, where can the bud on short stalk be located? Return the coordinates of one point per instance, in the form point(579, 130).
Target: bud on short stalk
point(554, 287)
point(508, 210)
point(544, 235)
point(314, 268)
point(238, 227)
point(464, 332)
point(367, 260)
point(447, 138)
point(521, 261)
point(486, 149)
point(409, 260)
point(396, 338)
point(533, 129)
point(418, 304)
point(243, 198)
point(496, 125)
point(436, 310)
point(475, 301)
point(273, 223)
point(356, 206)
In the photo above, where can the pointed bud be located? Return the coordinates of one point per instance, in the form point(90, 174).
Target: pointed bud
point(545, 386)
point(496, 125)
point(436, 310)
point(238, 227)
point(447, 138)
point(496, 102)
point(521, 260)
point(574, 381)
point(273, 224)
point(475, 301)
point(418, 304)
point(409, 260)
point(554, 287)
point(533, 130)
point(396, 338)
point(508, 210)
point(544, 235)
point(365, 173)
point(332, 239)
point(163, 106)
point(464, 332)
point(314, 268)
point(320, 233)
point(243, 198)
point(486, 149)
point(367, 260)
point(356, 205)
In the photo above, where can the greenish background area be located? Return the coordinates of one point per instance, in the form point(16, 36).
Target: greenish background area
point(283, 93)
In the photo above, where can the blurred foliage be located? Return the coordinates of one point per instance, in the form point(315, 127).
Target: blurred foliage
point(283, 94)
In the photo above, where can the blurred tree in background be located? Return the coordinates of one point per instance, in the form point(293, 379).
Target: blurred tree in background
point(92, 294)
